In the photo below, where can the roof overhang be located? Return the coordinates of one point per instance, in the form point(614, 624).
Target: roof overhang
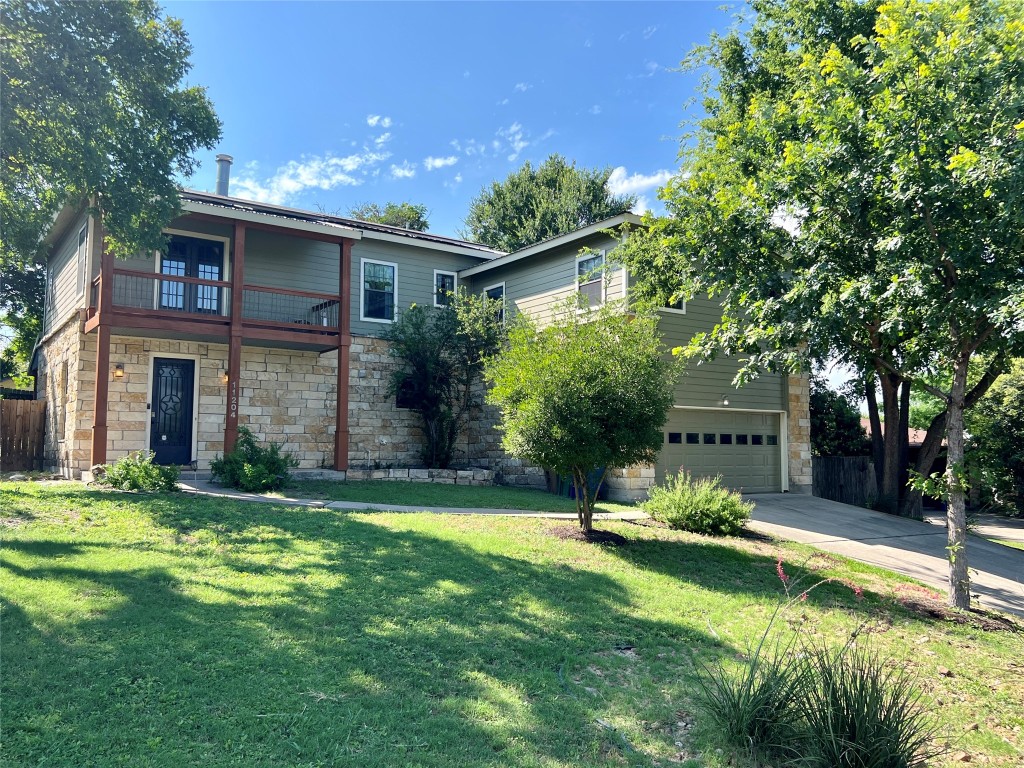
point(555, 242)
point(239, 214)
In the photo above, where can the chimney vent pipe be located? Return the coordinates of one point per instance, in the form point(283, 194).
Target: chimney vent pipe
point(223, 174)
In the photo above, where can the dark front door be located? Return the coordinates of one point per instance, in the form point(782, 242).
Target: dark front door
point(171, 410)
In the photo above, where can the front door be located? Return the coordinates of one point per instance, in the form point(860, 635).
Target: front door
point(170, 425)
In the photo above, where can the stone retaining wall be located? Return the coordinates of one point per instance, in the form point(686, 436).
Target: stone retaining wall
point(440, 476)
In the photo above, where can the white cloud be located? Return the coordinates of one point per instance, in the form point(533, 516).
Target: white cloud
point(515, 138)
point(648, 32)
point(619, 183)
point(523, 87)
point(503, 102)
point(454, 182)
point(650, 69)
point(595, 110)
point(383, 139)
point(640, 207)
point(404, 171)
point(433, 163)
point(587, 43)
point(310, 172)
point(374, 120)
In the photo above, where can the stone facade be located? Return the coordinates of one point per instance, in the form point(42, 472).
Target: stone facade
point(630, 483)
point(65, 377)
point(798, 426)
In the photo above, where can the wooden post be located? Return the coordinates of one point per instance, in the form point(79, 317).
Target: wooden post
point(235, 339)
point(341, 435)
point(104, 303)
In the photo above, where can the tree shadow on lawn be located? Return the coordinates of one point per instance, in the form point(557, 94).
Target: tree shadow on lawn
point(368, 646)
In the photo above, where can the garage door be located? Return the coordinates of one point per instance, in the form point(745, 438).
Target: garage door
point(744, 448)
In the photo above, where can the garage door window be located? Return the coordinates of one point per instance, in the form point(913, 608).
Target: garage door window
point(757, 439)
point(709, 438)
point(675, 437)
point(741, 439)
point(773, 439)
point(693, 438)
point(725, 439)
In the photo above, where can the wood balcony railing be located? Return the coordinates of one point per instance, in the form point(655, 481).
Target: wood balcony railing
point(186, 304)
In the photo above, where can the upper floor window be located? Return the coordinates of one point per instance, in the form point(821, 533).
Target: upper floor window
point(379, 291)
point(676, 306)
point(192, 257)
point(83, 258)
point(590, 277)
point(444, 288)
point(497, 293)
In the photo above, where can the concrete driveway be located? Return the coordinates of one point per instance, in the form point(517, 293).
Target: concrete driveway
point(910, 547)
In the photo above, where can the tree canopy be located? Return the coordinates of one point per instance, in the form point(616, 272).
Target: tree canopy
point(404, 215)
point(93, 111)
point(853, 191)
point(534, 204)
point(591, 390)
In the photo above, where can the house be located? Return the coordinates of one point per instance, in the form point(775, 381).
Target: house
point(270, 317)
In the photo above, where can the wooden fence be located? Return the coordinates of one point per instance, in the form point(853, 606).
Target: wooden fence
point(21, 434)
point(849, 479)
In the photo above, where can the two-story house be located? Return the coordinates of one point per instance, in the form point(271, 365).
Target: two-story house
point(270, 317)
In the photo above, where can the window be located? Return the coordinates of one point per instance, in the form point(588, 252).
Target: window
point(406, 395)
point(380, 291)
point(676, 306)
point(590, 277)
point(192, 257)
point(709, 438)
point(725, 439)
point(741, 439)
point(497, 293)
point(692, 438)
point(62, 413)
point(773, 439)
point(83, 257)
point(675, 438)
point(444, 288)
point(757, 439)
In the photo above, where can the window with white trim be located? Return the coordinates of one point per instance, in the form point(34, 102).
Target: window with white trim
point(83, 258)
point(676, 306)
point(444, 287)
point(379, 293)
point(590, 277)
point(497, 293)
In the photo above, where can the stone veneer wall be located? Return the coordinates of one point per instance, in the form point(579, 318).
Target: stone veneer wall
point(67, 452)
point(631, 483)
point(798, 426)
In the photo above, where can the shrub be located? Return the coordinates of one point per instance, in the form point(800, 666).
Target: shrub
point(700, 506)
point(137, 472)
point(251, 467)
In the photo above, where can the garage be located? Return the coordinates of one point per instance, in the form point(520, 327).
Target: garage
point(744, 447)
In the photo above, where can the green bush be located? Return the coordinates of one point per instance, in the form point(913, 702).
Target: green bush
point(137, 472)
point(251, 467)
point(700, 506)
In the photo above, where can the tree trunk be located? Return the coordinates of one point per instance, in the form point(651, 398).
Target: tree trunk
point(904, 444)
point(877, 448)
point(889, 490)
point(930, 450)
point(585, 512)
point(956, 515)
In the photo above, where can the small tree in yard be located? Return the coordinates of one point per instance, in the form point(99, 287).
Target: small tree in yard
point(592, 389)
point(441, 352)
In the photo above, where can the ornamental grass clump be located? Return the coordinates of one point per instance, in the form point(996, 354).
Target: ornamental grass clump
point(699, 505)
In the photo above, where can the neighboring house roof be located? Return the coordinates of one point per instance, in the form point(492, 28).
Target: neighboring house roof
point(916, 435)
point(553, 242)
point(205, 202)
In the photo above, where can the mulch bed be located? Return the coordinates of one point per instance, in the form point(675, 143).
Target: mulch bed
point(931, 608)
point(574, 533)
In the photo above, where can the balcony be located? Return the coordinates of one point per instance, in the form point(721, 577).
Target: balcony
point(143, 303)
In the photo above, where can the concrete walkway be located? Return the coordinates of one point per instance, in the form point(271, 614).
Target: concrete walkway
point(910, 547)
point(204, 488)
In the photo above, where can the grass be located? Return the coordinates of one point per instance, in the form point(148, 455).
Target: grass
point(438, 495)
point(1009, 543)
point(169, 630)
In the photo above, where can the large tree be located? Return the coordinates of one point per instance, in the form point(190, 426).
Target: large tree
point(853, 191)
point(93, 111)
point(405, 215)
point(533, 204)
point(590, 391)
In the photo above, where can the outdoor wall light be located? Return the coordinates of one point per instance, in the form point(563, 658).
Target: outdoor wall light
point(224, 376)
point(725, 401)
point(119, 371)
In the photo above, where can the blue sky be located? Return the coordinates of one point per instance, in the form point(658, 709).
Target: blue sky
point(327, 105)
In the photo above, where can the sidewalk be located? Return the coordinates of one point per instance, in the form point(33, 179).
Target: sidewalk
point(204, 488)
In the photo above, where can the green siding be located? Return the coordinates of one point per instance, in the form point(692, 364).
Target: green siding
point(280, 261)
point(62, 277)
point(415, 275)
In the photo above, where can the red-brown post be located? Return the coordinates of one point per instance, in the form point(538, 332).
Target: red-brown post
point(344, 341)
point(235, 339)
point(104, 304)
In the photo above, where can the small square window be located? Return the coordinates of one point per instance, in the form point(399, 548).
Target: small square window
point(675, 437)
point(709, 438)
point(406, 397)
point(773, 439)
point(757, 439)
point(741, 439)
point(725, 439)
point(692, 438)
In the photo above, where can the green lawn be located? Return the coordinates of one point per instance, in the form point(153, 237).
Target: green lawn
point(179, 630)
point(437, 495)
point(1010, 543)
